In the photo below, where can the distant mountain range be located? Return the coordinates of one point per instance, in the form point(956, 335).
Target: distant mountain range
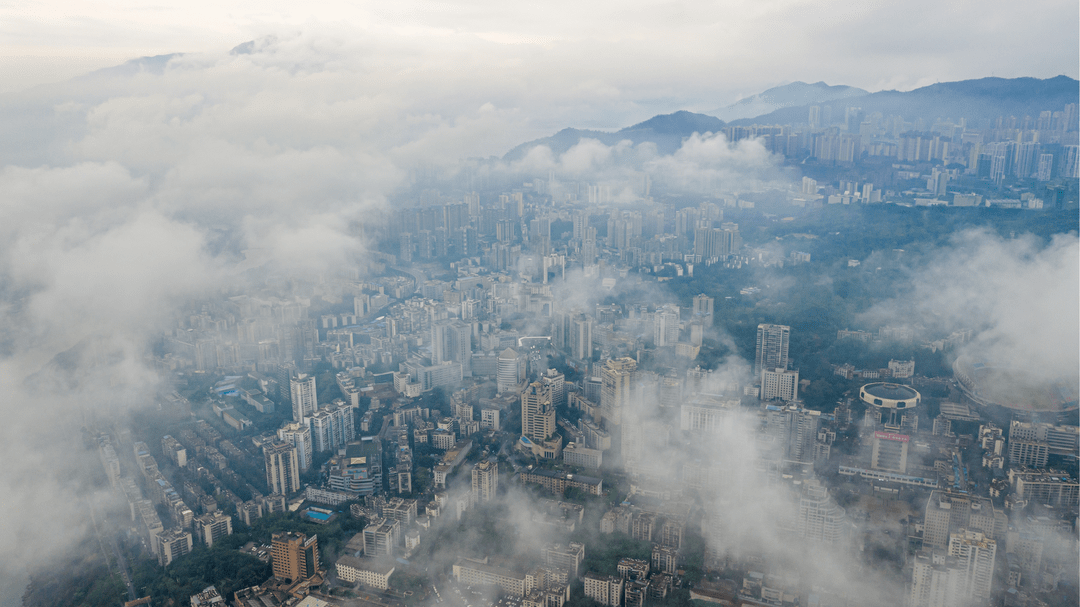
point(667, 131)
point(979, 101)
point(788, 95)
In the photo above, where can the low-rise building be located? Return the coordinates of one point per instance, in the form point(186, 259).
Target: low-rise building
point(558, 481)
point(477, 573)
point(380, 537)
point(209, 597)
point(1046, 487)
point(633, 569)
point(371, 572)
point(575, 454)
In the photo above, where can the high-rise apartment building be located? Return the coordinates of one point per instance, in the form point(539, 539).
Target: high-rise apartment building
point(794, 431)
point(485, 481)
point(174, 450)
point(172, 544)
point(713, 244)
point(555, 382)
point(332, 427)
point(302, 389)
point(616, 378)
point(380, 537)
point(666, 326)
point(568, 557)
point(670, 391)
point(707, 413)
point(282, 468)
point(581, 221)
point(537, 412)
point(452, 342)
point(1045, 167)
point(772, 348)
point(937, 580)
point(975, 553)
point(572, 332)
point(819, 518)
point(946, 513)
point(212, 526)
point(294, 556)
point(604, 589)
point(1028, 454)
point(298, 434)
point(703, 309)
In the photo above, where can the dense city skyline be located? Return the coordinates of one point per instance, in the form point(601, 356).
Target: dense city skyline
point(555, 306)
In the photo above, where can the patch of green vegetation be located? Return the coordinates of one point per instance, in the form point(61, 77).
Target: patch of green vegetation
point(80, 582)
point(223, 567)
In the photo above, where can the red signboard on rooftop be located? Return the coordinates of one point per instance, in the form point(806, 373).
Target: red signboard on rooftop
point(890, 436)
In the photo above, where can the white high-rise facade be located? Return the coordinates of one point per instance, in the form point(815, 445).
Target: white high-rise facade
point(703, 309)
point(572, 332)
point(510, 370)
point(452, 342)
point(779, 384)
point(772, 347)
point(819, 518)
point(485, 481)
point(975, 553)
point(304, 403)
point(298, 435)
point(936, 581)
point(616, 379)
point(332, 427)
point(959, 578)
point(282, 468)
point(537, 412)
point(666, 326)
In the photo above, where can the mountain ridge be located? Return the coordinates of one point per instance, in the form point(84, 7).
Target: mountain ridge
point(979, 100)
point(787, 95)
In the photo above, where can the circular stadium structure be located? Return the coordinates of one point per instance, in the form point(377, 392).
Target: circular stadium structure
point(892, 401)
point(890, 396)
point(1004, 387)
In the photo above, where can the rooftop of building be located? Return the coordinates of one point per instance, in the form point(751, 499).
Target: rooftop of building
point(889, 391)
point(375, 565)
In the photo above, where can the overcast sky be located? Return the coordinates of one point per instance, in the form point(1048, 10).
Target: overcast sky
point(642, 57)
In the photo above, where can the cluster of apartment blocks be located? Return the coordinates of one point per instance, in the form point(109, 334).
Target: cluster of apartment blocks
point(963, 534)
point(665, 529)
point(898, 369)
point(636, 584)
point(166, 544)
point(1041, 147)
point(456, 344)
point(642, 236)
point(547, 585)
point(1027, 450)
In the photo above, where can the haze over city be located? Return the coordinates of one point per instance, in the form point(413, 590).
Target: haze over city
point(575, 304)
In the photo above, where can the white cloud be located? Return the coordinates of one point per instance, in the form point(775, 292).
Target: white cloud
point(1017, 295)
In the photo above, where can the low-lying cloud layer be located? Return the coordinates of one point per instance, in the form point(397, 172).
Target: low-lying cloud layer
point(130, 192)
point(1018, 297)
